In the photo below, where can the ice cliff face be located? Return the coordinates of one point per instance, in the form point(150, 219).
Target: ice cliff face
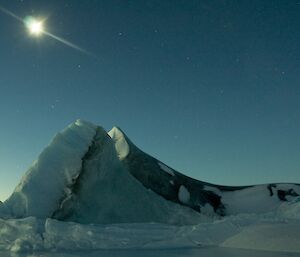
point(105, 192)
point(90, 176)
point(43, 185)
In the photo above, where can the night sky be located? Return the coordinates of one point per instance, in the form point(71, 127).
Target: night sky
point(211, 88)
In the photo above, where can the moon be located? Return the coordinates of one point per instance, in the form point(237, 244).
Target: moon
point(34, 26)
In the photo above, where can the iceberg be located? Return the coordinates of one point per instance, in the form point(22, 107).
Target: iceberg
point(92, 190)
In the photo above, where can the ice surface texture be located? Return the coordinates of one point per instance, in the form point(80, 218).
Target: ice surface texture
point(272, 232)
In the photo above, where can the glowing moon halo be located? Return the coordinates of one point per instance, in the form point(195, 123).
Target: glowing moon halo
point(34, 26)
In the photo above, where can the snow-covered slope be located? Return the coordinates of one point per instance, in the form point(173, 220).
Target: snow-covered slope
point(201, 196)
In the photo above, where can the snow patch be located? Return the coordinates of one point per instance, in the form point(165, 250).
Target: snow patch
point(183, 194)
point(268, 237)
point(290, 210)
point(208, 210)
point(250, 200)
point(121, 145)
point(166, 169)
point(212, 189)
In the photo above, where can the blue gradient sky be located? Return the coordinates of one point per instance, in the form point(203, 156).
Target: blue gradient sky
point(209, 87)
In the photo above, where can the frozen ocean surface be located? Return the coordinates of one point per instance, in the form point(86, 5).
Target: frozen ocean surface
point(183, 252)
